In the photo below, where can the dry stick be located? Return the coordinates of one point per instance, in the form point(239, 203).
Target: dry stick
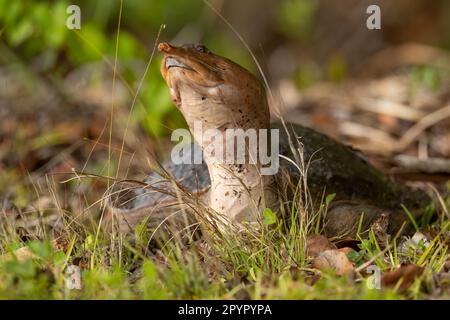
point(377, 136)
point(390, 108)
point(421, 126)
point(429, 165)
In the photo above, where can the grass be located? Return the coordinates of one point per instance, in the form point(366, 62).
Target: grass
point(264, 262)
point(47, 226)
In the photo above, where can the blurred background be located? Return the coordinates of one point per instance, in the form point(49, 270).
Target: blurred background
point(63, 108)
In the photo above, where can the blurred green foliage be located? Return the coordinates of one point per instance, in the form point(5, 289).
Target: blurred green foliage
point(296, 17)
point(23, 21)
point(425, 76)
point(36, 28)
point(337, 68)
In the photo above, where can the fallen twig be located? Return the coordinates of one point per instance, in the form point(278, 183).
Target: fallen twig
point(414, 132)
point(428, 165)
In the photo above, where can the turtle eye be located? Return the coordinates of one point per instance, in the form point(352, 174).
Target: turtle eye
point(201, 48)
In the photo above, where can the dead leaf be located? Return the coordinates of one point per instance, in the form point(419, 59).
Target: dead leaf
point(405, 273)
point(334, 259)
point(316, 244)
point(41, 204)
point(23, 253)
point(20, 254)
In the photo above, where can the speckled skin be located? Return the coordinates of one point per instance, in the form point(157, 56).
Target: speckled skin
point(207, 91)
point(221, 94)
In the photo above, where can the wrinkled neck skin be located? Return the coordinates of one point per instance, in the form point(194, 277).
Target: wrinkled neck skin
point(238, 191)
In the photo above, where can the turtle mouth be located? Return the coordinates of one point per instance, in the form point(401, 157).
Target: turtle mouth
point(172, 62)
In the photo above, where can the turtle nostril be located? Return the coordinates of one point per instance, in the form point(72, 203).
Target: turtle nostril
point(164, 47)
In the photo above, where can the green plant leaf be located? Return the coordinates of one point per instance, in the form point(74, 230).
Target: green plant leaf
point(21, 32)
point(269, 216)
point(41, 249)
point(330, 198)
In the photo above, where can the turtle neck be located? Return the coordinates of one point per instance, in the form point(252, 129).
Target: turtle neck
point(208, 92)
